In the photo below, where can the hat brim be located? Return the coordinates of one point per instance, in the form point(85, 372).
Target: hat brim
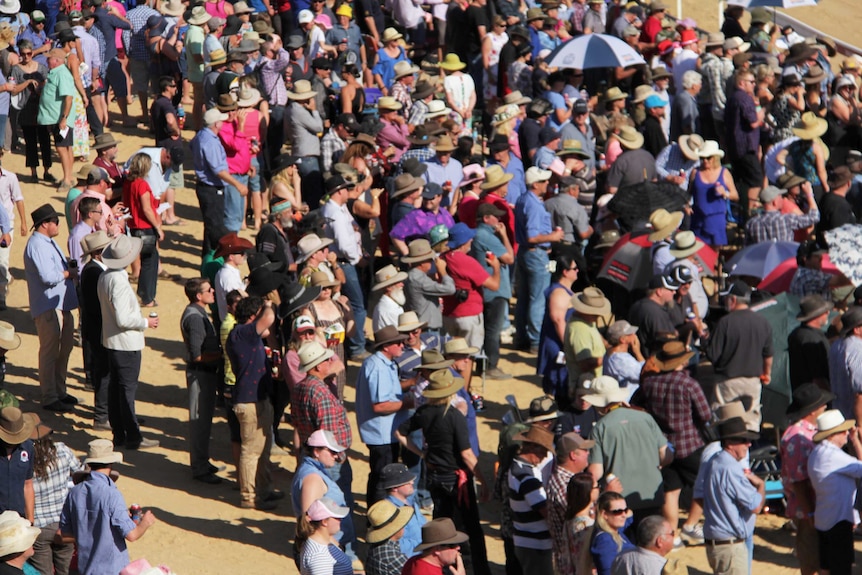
point(522, 437)
point(379, 344)
point(451, 389)
point(454, 67)
point(673, 363)
point(825, 307)
point(821, 435)
point(411, 188)
point(126, 260)
point(604, 400)
point(421, 95)
point(30, 421)
point(11, 344)
point(410, 72)
point(812, 132)
point(395, 524)
point(54, 214)
point(456, 540)
point(20, 542)
point(438, 365)
point(580, 307)
point(327, 353)
point(748, 435)
point(466, 351)
point(104, 145)
point(399, 277)
point(301, 96)
point(634, 144)
point(796, 412)
point(420, 258)
point(684, 253)
point(684, 144)
point(408, 327)
point(324, 242)
point(493, 184)
point(114, 457)
point(198, 21)
point(310, 294)
point(573, 152)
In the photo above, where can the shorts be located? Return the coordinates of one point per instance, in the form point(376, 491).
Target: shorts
point(60, 141)
point(176, 179)
point(682, 472)
point(254, 184)
point(142, 81)
point(836, 548)
point(471, 328)
point(747, 172)
point(115, 79)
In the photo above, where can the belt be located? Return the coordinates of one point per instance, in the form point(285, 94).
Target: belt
point(204, 367)
point(546, 250)
point(719, 542)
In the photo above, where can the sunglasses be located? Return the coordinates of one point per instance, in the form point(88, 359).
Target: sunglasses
point(618, 512)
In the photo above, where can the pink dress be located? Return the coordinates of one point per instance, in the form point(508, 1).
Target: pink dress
point(216, 9)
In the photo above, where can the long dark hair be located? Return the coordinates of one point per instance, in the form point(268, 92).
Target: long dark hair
point(578, 493)
point(44, 457)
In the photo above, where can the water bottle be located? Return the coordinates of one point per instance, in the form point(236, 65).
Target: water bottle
point(181, 116)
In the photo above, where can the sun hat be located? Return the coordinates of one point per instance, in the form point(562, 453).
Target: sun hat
point(620, 328)
point(419, 250)
point(498, 143)
point(391, 34)
point(405, 184)
point(515, 97)
point(387, 335)
point(769, 193)
point(806, 399)
point(572, 148)
point(851, 319)
point(15, 426)
point(326, 508)
point(505, 113)
point(642, 92)
point(105, 140)
point(262, 27)
point(232, 244)
point(303, 323)
point(729, 411)
point(459, 346)
point(324, 438)
point(42, 213)
point(122, 251)
point(537, 435)
point(324, 21)
point(495, 178)
point(404, 68)
point(605, 390)
point(630, 138)
point(734, 428)
point(214, 115)
point(736, 43)
point(655, 101)
point(301, 91)
point(16, 533)
point(672, 355)
point(442, 383)
point(608, 239)
point(685, 244)
point(460, 234)
point(591, 301)
point(715, 39)
point(814, 75)
point(386, 519)
point(310, 244)
point(630, 31)
point(9, 340)
point(437, 108)
point(535, 175)
point(409, 321)
point(690, 145)
point(386, 277)
point(831, 422)
point(102, 451)
point(472, 173)
point(422, 90)
point(660, 72)
point(614, 93)
point(94, 241)
point(434, 360)
point(389, 103)
point(542, 408)
point(760, 15)
point(799, 52)
point(294, 41)
point(710, 149)
point(322, 280)
point(452, 63)
point(199, 16)
point(789, 180)
point(810, 126)
point(311, 354)
point(440, 531)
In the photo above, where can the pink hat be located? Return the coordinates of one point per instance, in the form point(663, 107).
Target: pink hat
point(472, 173)
point(324, 21)
point(325, 508)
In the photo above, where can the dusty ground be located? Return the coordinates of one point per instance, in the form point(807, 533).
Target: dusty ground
point(200, 528)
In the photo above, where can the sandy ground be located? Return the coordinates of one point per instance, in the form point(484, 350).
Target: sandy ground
point(200, 528)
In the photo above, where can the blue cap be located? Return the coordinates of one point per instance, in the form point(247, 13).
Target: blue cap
point(655, 101)
point(460, 234)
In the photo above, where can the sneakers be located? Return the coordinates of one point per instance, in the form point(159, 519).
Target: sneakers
point(694, 534)
point(497, 373)
point(144, 444)
point(677, 544)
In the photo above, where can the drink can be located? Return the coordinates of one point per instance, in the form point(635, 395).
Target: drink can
point(136, 513)
point(478, 402)
point(610, 478)
point(154, 314)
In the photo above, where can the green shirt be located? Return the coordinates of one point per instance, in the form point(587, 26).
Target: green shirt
point(195, 38)
point(59, 85)
point(582, 341)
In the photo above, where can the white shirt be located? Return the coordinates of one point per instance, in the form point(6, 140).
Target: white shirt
point(385, 313)
point(343, 231)
point(227, 279)
point(10, 193)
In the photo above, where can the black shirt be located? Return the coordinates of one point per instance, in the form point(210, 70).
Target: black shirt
point(159, 111)
point(654, 138)
point(476, 17)
point(528, 137)
point(650, 319)
point(835, 211)
point(741, 340)
point(446, 435)
point(457, 31)
point(808, 349)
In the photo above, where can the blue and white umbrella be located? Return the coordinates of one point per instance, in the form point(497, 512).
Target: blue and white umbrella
point(594, 51)
point(773, 3)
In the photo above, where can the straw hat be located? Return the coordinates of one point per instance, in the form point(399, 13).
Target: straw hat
point(810, 126)
point(574, 148)
point(310, 244)
point(591, 301)
point(16, 534)
point(9, 340)
point(452, 63)
point(690, 145)
point(505, 113)
point(630, 138)
point(459, 346)
point(122, 251)
point(437, 108)
point(311, 354)
point(388, 103)
point(248, 97)
point(386, 520)
point(515, 97)
point(538, 435)
point(444, 144)
point(322, 280)
point(391, 34)
point(386, 277)
point(672, 355)
point(604, 390)
point(831, 422)
point(404, 68)
point(409, 321)
point(199, 16)
point(433, 359)
point(663, 223)
point(685, 244)
point(102, 451)
point(642, 92)
point(419, 250)
point(442, 384)
point(301, 91)
point(495, 177)
point(710, 149)
point(614, 93)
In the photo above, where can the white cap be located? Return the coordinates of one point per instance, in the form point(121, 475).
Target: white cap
point(324, 438)
point(535, 174)
point(306, 16)
point(213, 115)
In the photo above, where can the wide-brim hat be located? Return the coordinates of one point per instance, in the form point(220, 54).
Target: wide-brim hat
point(386, 277)
point(322, 280)
point(405, 184)
point(603, 391)
point(387, 335)
point(799, 52)
point(9, 340)
point(409, 321)
point(10, 7)
point(172, 8)
point(311, 354)
point(102, 451)
point(16, 533)
point(710, 149)
point(262, 281)
point(734, 428)
point(831, 422)
point(515, 97)
point(440, 531)
point(452, 63)
point(630, 138)
point(437, 108)
point(812, 306)
point(248, 97)
point(538, 435)
point(389, 103)
point(199, 16)
point(807, 399)
point(810, 126)
point(385, 519)
point(284, 161)
point(434, 360)
point(591, 301)
point(672, 355)
point(445, 144)
point(572, 148)
point(422, 90)
point(301, 91)
point(94, 241)
point(42, 213)
point(442, 384)
point(690, 144)
point(16, 426)
point(122, 251)
point(459, 346)
point(390, 34)
point(404, 68)
point(495, 177)
point(815, 75)
point(105, 140)
point(685, 244)
point(295, 295)
point(231, 243)
point(614, 93)
point(419, 250)
point(310, 244)
point(395, 475)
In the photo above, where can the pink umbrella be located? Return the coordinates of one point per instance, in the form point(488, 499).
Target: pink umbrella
point(779, 279)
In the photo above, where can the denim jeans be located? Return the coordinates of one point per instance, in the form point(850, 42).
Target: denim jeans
point(495, 317)
point(353, 290)
point(234, 204)
point(533, 279)
point(312, 181)
point(211, 201)
point(342, 474)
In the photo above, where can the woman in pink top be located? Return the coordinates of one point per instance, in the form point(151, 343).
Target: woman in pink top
point(237, 146)
point(219, 8)
point(255, 130)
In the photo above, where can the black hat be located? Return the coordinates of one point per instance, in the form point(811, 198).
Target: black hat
point(395, 475)
point(812, 306)
point(499, 143)
point(261, 260)
point(283, 162)
point(66, 36)
point(663, 281)
point(348, 121)
point(806, 399)
point(335, 183)
point(414, 167)
point(739, 289)
point(519, 31)
point(42, 213)
point(261, 281)
point(734, 428)
point(423, 90)
point(547, 135)
point(321, 64)
point(851, 319)
point(232, 25)
point(296, 297)
point(488, 210)
point(580, 106)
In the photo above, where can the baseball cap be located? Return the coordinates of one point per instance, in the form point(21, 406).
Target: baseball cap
point(324, 438)
point(571, 441)
point(655, 101)
point(739, 289)
point(535, 174)
point(580, 107)
point(769, 193)
point(431, 191)
point(663, 281)
point(620, 328)
point(303, 323)
point(326, 508)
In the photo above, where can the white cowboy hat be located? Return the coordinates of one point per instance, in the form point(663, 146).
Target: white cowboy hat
point(386, 277)
point(302, 91)
point(310, 244)
point(16, 533)
point(311, 354)
point(9, 340)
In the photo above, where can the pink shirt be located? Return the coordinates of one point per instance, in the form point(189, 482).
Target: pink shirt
point(107, 222)
point(796, 446)
point(396, 135)
point(237, 147)
point(118, 37)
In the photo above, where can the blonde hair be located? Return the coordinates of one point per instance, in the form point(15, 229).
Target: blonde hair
point(604, 504)
point(139, 167)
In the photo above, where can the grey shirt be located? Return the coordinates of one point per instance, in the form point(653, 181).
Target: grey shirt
point(305, 127)
point(423, 296)
point(568, 214)
point(632, 167)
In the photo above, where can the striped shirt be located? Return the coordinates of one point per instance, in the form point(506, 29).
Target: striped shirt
point(317, 559)
point(527, 499)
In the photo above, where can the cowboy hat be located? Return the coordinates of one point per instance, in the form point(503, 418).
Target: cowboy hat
point(422, 90)
point(232, 244)
point(710, 149)
point(807, 399)
point(15, 426)
point(440, 531)
point(572, 147)
point(310, 244)
point(434, 360)
point(322, 280)
point(690, 145)
point(248, 97)
point(16, 533)
point(459, 346)
point(452, 63)
point(102, 451)
point(9, 340)
point(42, 213)
point(799, 52)
point(437, 108)
point(495, 177)
point(630, 138)
point(442, 384)
point(387, 335)
point(734, 428)
point(591, 301)
point(122, 251)
point(672, 355)
point(604, 390)
point(535, 14)
point(538, 435)
point(831, 422)
point(390, 34)
point(405, 184)
point(105, 140)
point(419, 250)
point(367, 139)
point(199, 16)
point(385, 520)
point(95, 241)
point(404, 68)
point(810, 126)
point(444, 144)
point(302, 91)
point(262, 281)
point(614, 93)
point(642, 92)
point(409, 321)
point(684, 245)
point(311, 354)
point(515, 97)
point(812, 306)
point(815, 75)
point(389, 104)
point(387, 276)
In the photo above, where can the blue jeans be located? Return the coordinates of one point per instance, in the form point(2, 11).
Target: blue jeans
point(234, 204)
point(533, 279)
point(342, 474)
point(495, 317)
point(353, 290)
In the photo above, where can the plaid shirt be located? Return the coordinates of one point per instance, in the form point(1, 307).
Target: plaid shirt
point(100, 40)
point(314, 407)
point(678, 404)
point(136, 38)
point(52, 490)
point(772, 225)
point(417, 113)
point(402, 96)
point(558, 487)
point(385, 559)
point(331, 148)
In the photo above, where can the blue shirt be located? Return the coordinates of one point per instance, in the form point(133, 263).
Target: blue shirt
point(487, 241)
point(38, 39)
point(96, 515)
point(728, 499)
point(248, 360)
point(544, 157)
point(108, 24)
point(531, 220)
point(44, 264)
point(413, 530)
point(559, 102)
point(517, 185)
point(209, 158)
point(378, 383)
point(439, 174)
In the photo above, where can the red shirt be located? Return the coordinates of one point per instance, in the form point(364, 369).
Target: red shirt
point(415, 566)
point(133, 193)
point(468, 275)
point(508, 218)
point(467, 211)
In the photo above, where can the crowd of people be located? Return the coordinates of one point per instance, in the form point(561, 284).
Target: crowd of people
point(423, 166)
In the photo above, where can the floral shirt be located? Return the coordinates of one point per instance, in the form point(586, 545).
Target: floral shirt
point(796, 447)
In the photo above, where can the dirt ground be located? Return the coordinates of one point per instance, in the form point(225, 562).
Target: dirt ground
point(200, 528)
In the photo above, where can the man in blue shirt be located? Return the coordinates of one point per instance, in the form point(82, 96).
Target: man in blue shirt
point(398, 482)
point(96, 517)
point(547, 154)
point(379, 403)
point(511, 164)
point(731, 498)
point(211, 173)
point(52, 298)
point(534, 235)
